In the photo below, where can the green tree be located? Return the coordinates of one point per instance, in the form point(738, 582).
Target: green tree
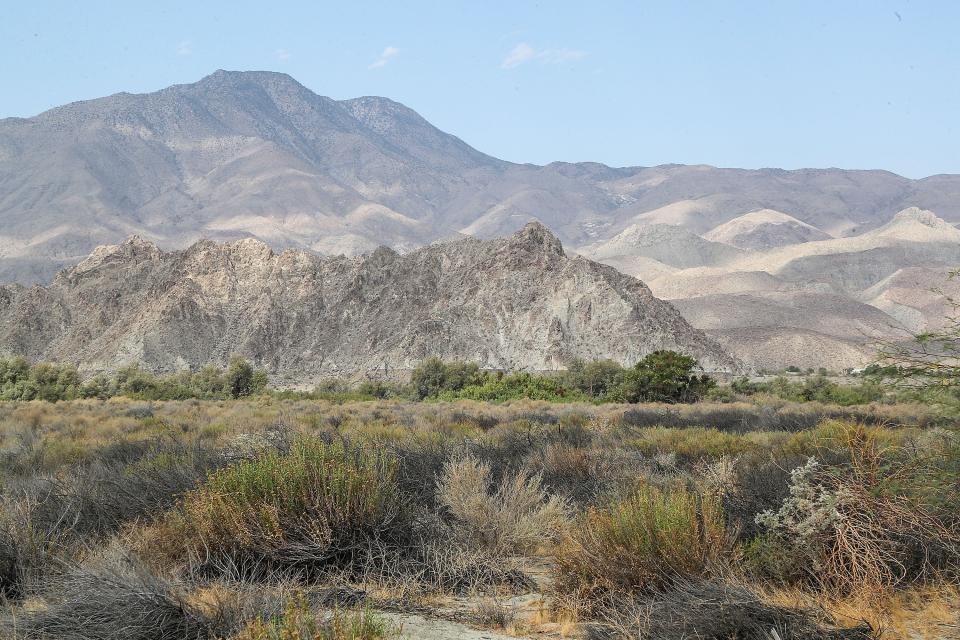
point(596, 378)
point(433, 377)
point(240, 377)
point(664, 376)
point(428, 378)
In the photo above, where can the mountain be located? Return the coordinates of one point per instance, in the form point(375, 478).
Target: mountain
point(512, 303)
point(914, 237)
point(764, 229)
point(258, 155)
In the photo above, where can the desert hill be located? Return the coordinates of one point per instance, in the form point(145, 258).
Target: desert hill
point(764, 229)
point(821, 301)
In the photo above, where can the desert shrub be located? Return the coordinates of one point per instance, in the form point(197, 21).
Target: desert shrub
point(299, 622)
point(690, 444)
point(492, 612)
point(438, 561)
point(516, 516)
point(858, 525)
point(640, 542)
point(312, 507)
point(816, 388)
point(715, 609)
point(758, 484)
point(420, 459)
point(113, 597)
point(45, 519)
point(584, 474)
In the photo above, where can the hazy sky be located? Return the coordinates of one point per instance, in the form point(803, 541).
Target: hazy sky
point(852, 84)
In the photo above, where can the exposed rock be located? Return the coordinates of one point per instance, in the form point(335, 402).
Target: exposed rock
point(513, 303)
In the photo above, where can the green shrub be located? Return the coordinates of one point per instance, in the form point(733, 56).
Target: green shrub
point(314, 506)
point(596, 379)
point(642, 542)
point(433, 377)
point(495, 388)
point(242, 379)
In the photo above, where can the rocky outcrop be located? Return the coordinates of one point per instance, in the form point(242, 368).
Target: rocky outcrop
point(513, 303)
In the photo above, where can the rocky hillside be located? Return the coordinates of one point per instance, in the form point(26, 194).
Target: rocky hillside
point(517, 303)
point(256, 154)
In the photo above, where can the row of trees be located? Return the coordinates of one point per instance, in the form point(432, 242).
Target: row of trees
point(21, 380)
point(662, 376)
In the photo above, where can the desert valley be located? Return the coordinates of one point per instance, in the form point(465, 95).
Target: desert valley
point(281, 366)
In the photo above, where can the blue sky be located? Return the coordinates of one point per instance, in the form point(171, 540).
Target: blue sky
point(852, 84)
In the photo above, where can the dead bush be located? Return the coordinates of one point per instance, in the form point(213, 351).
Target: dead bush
point(714, 609)
point(113, 597)
point(515, 517)
point(862, 525)
point(43, 519)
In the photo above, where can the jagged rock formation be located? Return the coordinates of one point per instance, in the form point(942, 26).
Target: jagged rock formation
point(514, 303)
point(257, 155)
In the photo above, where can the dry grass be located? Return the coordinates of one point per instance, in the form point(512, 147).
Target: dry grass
point(300, 622)
point(408, 501)
point(922, 613)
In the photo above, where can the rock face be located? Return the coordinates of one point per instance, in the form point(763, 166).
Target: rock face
point(515, 303)
point(256, 154)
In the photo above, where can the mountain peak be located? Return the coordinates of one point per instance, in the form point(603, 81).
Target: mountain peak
point(923, 216)
point(224, 75)
point(536, 237)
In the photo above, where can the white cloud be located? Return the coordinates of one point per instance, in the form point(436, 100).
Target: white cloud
point(384, 58)
point(282, 54)
point(524, 52)
point(520, 54)
point(185, 48)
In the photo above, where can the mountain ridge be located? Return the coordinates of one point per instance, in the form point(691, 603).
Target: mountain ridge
point(257, 154)
point(517, 303)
